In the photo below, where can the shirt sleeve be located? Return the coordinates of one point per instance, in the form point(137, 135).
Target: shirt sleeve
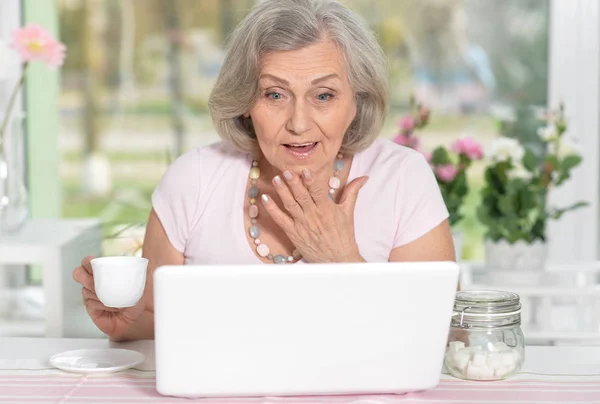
point(175, 199)
point(419, 203)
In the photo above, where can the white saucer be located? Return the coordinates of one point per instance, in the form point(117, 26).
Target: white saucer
point(96, 360)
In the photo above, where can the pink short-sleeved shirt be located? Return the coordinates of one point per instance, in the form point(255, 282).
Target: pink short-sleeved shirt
point(200, 202)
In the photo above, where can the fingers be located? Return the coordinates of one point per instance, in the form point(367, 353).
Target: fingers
point(350, 194)
point(86, 263)
point(91, 302)
point(89, 295)
point(83, 274)
point(279, 217)
point(299, 191)
point(318, 193)
point(289, 202)
point(83, 277)
point(95, 305)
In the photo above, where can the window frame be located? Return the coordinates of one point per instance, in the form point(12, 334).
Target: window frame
point(574, 78)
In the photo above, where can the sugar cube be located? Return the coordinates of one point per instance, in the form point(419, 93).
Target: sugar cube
point(454, 346)
point(479, 358)
point(460, 358)
point(494, 360)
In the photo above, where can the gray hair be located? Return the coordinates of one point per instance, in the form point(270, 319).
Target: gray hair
point(284, 25)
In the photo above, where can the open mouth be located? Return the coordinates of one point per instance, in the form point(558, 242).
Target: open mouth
point(301, 147)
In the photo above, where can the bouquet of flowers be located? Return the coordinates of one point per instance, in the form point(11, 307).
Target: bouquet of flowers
point(517, 181)
point(449, 165)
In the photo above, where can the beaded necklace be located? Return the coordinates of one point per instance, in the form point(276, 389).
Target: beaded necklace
point(261, 248)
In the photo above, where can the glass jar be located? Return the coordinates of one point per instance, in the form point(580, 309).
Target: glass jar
point(486, 341)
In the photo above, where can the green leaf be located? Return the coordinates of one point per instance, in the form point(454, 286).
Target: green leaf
point(553, 161)
point(530, 200)
point(530, 160)
point(440, 156)
point(459, 185)
point(557, 213)
point(514, 186)
point(570, 162)
point(506, 204)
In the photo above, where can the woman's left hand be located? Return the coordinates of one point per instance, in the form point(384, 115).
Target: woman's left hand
point(320, 229)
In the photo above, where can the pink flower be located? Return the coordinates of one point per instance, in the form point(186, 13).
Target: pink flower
point(33, 43)
point(407, 123)
point(469, 147)
point(408, 140)
point(446, 172)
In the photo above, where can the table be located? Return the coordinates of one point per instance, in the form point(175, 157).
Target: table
point(58, 245)
point(557, 374)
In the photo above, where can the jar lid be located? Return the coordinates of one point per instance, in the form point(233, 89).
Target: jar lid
point(486, 302)
point(486, 306)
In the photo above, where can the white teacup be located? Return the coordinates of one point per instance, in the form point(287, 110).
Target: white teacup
point(119, 281)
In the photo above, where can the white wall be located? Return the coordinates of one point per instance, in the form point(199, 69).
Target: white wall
point(575, 79)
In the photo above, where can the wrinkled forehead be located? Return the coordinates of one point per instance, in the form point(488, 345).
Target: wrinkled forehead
point(322, 59)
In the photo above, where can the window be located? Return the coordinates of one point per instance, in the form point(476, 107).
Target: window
point(139, 72)
point(480, 65)
point(134, 96)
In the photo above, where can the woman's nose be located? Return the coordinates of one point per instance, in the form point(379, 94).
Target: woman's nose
point(299, 121)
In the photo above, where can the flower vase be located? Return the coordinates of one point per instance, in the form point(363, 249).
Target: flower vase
point(520, 256)
point(14, 198)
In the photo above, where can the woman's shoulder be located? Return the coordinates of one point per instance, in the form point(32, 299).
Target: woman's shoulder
point(181, 195)
point(201, 166)
point(403, 188)
point(208, 158)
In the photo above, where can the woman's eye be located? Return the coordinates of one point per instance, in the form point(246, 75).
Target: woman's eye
point(274, 96)
point(325, 96)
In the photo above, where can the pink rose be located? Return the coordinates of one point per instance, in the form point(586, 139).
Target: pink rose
point(33, 43)
point(407, 123)
point(446, 172)
point(469, 147)
point(408, 140)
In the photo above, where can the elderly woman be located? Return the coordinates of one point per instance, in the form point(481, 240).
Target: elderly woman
point(300, 175)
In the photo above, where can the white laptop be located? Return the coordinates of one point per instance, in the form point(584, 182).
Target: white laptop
point(319, 329)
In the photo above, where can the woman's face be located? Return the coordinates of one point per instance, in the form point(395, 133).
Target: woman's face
point(304, 108)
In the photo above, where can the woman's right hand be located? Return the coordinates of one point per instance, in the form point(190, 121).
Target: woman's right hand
point(113, 322)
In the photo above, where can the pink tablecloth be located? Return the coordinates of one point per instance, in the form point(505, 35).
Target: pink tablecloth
point(558, 374)
point(139, 387)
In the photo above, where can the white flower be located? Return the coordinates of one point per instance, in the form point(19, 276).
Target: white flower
point(566, 147)
point(506, 149)
point(548, 133)
point(519, 172)
point(4, 60)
